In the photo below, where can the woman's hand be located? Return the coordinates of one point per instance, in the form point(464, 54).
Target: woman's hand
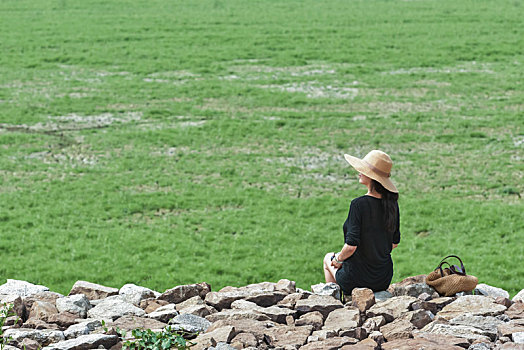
point(335, 262)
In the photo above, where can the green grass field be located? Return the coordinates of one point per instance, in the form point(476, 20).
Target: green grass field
point(171, 142)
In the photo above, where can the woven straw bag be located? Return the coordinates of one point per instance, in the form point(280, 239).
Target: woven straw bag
point(451, 280)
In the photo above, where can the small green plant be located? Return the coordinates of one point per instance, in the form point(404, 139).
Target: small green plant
point(168, 338)
point(6, 310)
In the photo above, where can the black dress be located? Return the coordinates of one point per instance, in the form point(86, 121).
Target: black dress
point(370, 266)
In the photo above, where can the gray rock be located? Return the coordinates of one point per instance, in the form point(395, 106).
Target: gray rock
point(236, 314)
point(489, 324)
point(222, 346)
point(518, 337)
point(113, 308)
point(85, 342)
point(92, 291)
point(391, 308)
point(75, 304)
point(480, 346)
point(314, 319)
point(128, 323)
point(135, 294)
point(398, 329)
point(164, 313)
point(331, 289)
point(413, 290)
point(468, 332)
point(190, 323)
point(491, 291)
point(21, 288)
point(43, 337)
point(472, 305)
point(324, 334)
point(382, 295)
point(83, 328)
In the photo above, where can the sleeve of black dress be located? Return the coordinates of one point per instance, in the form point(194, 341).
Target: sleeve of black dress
point(354, 224)
point(396, 234)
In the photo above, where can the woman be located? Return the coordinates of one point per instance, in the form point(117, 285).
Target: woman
point(371, 230)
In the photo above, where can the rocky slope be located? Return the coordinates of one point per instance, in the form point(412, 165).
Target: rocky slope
point(410, 315)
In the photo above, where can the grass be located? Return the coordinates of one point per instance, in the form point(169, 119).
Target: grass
point(172, 142)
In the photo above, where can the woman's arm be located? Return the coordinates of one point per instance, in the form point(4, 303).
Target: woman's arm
point(346, 252)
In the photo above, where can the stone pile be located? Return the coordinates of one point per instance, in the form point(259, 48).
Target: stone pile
point(410, 315)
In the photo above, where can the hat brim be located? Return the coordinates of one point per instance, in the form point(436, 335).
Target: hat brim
point(360, 166)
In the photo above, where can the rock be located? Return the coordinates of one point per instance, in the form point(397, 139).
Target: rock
point(331, 289)
point(229, 314)
point(374, 323)
point(357, 333)
point(179, 294)
point(43, 337)
point(257, 328)
point(286, 336)
point(491, 291)
point(516, 310)
point(488, 324)
point(413, 290)
point(503, 301)
point(18, 306)
point(63, 319)
point(377, 337)
point(190, 323)
point(366, 344)
point(76, 330)
point(275, 313)
point(391, 308)
point(290, 300)
point(76, 304)
point(433, 305)
point(30, 344)
point(443, 340)
point(410, 344)
point(151, 305)
point(322, 303)
point(223, 300)
point(518, 297)
point(330, 344)
point(21, 288)
point(220, 335)
point(113, 308)
point(510, 346)
point(42, 310)
point(398, 329)
point(424, 297)
point(518, 337)
point(193, 301)
point(324, 334)
point(36, 323)
point(362, 298)
point(480, 346)
point(313, 319)
point(509, 328)
point(222, 346)
point(382, 296)
point(472, 305)
point(342, 319)
point(49, 297)
point(164, 313)
point(244, 340)
point(84, 342)
point(419, 318)
point(199, 310)
point(129, 322)
point(92, 291)
point(468, 332)
point(135, 294)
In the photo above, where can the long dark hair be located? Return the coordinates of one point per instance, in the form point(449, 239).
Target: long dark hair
point(389, 203)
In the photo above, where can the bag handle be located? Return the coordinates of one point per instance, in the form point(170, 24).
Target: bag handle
point(452, 268)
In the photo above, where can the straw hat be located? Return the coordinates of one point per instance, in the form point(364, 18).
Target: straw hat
point(376, 165)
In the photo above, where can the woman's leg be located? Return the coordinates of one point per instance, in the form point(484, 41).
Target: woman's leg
point(329, 270)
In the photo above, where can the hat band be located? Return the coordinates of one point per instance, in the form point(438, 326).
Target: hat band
point(378, 171)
